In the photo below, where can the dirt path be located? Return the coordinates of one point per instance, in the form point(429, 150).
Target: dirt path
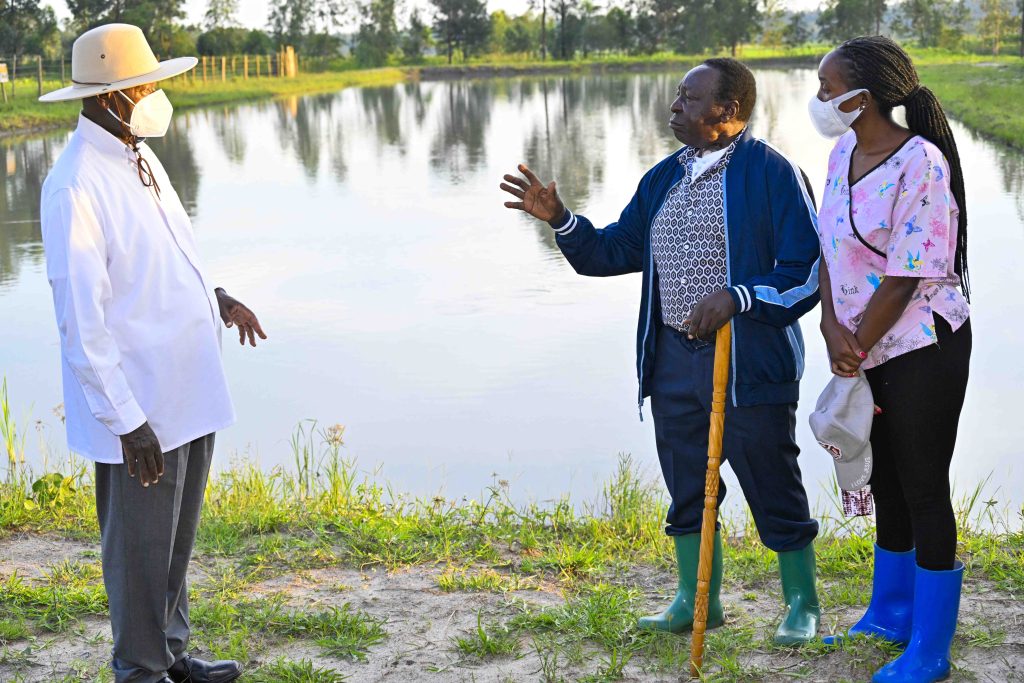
point(422, 623)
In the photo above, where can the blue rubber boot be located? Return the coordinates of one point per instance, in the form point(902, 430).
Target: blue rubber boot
point(936, 605)
point(891, 609)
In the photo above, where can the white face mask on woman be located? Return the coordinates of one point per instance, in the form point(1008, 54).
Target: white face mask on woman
point(828, 119)
point(150, 117)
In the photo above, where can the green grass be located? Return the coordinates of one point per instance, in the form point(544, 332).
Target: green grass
point(751, 54)
point(303, 671)
point(67, 592)
point(489, 641)
point(258, 525)
point(24, 113)
point(601, 613)
point(275, 521)
point(231, 620)
point(12, 629)
point(486, 579)
point(973, 88)
point(983, 95)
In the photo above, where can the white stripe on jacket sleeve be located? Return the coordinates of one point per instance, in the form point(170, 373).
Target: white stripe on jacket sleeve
point(568, 226)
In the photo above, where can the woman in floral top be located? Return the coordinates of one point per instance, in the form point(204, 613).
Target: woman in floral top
point(893, 281)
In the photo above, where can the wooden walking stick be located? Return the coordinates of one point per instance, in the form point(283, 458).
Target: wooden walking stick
point(723, 349)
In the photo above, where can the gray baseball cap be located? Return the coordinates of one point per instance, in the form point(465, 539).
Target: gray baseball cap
point(841, 422)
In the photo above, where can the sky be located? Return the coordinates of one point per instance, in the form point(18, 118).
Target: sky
point(253, 13)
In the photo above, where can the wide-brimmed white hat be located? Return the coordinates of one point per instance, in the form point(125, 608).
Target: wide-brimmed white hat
point(114, 57)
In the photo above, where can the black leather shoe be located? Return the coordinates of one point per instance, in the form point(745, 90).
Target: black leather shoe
point(192, 670)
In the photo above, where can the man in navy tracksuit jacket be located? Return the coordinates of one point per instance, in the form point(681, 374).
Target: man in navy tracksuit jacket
point(723, 229)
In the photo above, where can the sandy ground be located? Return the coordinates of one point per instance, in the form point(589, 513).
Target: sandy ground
point(422, 622)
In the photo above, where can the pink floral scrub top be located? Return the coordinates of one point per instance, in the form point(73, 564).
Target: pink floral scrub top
point(898, 219)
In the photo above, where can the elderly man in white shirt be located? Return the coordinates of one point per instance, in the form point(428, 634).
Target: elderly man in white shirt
point(144, 386)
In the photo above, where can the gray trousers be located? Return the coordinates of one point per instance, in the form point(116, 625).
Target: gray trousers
point(147, 536)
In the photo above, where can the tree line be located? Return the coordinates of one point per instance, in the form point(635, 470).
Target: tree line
point(379, 32)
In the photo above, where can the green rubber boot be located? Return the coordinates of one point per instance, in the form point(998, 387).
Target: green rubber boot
point(678, 617)
point(800, 625)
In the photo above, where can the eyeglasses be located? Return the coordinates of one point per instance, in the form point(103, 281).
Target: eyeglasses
point(145, 172)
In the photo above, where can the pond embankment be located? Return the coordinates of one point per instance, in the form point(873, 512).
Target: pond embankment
point(975, 90)
point(315, 575)
point(24, 115)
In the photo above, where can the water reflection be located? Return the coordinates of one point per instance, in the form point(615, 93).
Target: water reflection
point(384, 107)
point(1011, 167)
point(25, 165)
point(457, 146)
point(299, 120)
point(231, 134)
point(177, 154)
point(366, 226)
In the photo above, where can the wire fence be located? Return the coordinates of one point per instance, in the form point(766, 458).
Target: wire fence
point(29, 76)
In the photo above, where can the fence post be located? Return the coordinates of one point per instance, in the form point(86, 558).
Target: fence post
point(245, 67)
point(223, 68)
point(233, 58)
point(14, 72)
point(39, 76)
point(204, 69)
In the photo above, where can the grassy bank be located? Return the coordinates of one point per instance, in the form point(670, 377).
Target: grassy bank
point(316, 573)
point(982, 95)
point(483, 67)
point(973, 88)
point(25, 114)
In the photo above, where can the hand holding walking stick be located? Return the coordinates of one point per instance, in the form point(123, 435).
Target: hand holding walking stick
point(723, 348)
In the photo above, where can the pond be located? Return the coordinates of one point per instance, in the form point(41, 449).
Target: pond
point(447, 333)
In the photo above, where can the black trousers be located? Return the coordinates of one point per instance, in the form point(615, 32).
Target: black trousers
point(921, 394)
point(759, 444)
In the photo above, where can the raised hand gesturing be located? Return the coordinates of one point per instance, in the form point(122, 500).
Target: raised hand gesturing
point(539, 200)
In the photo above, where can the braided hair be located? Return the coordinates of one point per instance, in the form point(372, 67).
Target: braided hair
point(881, 66)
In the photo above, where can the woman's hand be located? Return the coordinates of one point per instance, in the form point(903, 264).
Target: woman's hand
point(844, 351)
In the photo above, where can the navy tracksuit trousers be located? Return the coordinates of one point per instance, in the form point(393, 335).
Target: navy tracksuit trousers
point(759, 445)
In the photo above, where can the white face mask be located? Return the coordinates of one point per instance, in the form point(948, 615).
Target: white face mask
point(150, 117)
point(828, 119)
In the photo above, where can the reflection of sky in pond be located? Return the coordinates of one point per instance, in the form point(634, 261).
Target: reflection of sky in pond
point(448, 334)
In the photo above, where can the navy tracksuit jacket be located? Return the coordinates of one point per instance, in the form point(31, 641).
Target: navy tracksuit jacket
point(772, 259)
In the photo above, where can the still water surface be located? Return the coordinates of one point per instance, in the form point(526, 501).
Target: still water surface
point(447, 333)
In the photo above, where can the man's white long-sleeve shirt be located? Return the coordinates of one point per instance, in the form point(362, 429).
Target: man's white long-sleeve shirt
point(138, 320)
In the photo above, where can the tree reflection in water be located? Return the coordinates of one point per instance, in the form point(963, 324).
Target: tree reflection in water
point(460, 128)
point(23, 167)
point(564, 128)
point(177, 153)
